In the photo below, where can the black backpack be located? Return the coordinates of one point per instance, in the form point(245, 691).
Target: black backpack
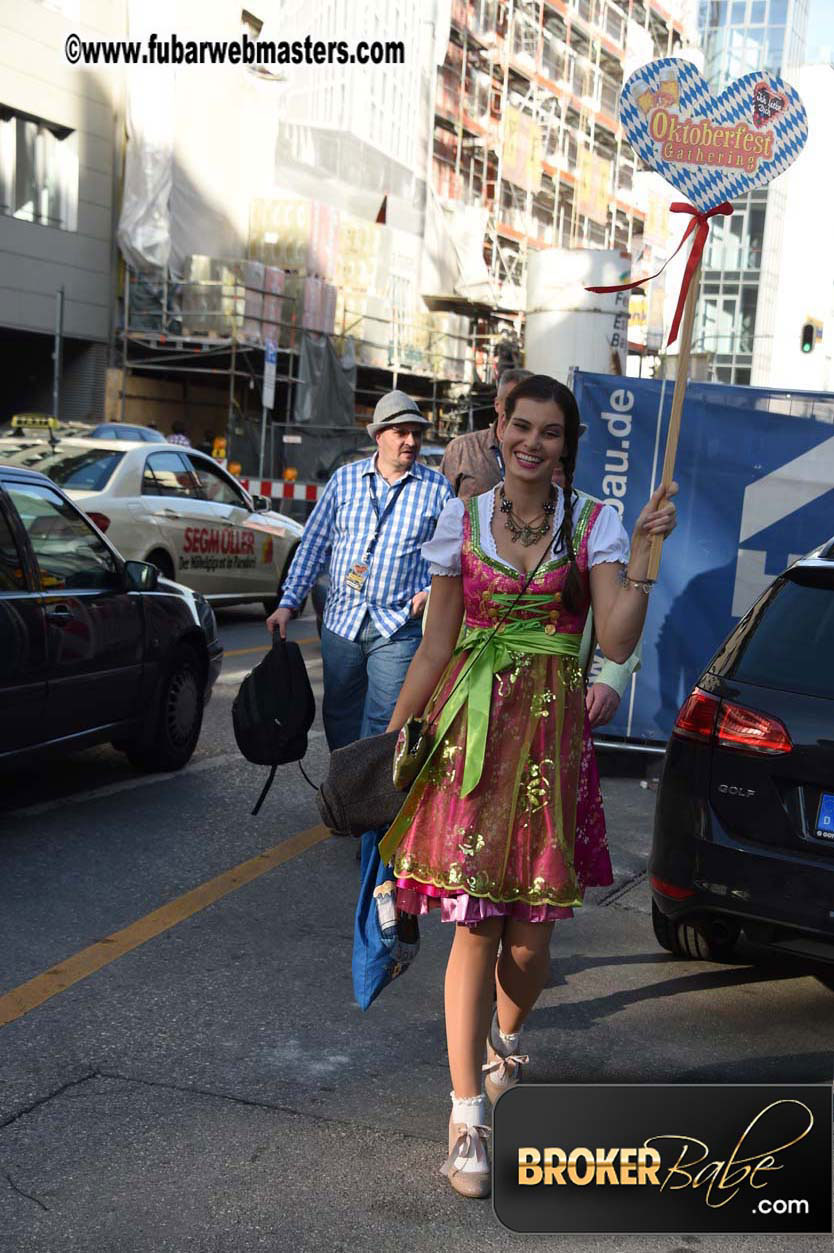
point(274, 710)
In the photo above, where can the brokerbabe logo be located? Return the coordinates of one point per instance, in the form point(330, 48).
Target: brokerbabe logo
point(664, 1158)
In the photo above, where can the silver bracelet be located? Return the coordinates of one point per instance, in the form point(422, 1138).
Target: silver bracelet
point(642, 585)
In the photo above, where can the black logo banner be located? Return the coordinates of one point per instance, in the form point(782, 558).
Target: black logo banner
point(629, 1158)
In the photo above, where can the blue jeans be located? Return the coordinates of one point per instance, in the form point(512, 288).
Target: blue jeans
point(362, 679)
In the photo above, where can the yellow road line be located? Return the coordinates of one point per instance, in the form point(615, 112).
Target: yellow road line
point(241, 652)
point(58, 978)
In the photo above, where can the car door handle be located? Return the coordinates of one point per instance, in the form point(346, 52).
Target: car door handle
point(169, 513)
point(59, 613)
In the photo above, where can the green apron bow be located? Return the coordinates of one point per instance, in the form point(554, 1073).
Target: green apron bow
point(474, 685)
point(515, 636)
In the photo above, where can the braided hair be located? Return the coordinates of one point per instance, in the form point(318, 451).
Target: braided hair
point(543, 387)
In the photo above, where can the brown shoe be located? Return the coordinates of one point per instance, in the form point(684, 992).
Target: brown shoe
point(467, 1167)
point(502, 1071)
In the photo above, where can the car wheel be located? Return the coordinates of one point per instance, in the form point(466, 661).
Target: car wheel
point(665, 932)
point(170, 734)
point(714, 942)
point(163, 563)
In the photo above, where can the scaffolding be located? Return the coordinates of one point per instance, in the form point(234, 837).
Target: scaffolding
point(442, 370)
point(527, 101)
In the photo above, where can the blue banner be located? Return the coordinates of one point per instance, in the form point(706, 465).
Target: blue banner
point(756, 475)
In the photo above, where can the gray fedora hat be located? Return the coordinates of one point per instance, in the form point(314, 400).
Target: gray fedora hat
point(396, 409)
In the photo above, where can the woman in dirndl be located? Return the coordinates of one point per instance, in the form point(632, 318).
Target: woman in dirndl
point(503, 828)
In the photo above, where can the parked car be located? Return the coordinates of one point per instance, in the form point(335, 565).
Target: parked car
point(176, 507)
point(124, 430)
point(95, 649)
point(744, 824)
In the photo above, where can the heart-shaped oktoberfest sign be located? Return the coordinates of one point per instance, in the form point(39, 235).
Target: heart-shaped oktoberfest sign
point(712, 148)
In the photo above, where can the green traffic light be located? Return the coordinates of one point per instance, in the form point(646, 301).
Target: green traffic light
point(806, 347)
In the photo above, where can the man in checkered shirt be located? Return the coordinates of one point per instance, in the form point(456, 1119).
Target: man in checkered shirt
point(369, 525)
point(178, 435)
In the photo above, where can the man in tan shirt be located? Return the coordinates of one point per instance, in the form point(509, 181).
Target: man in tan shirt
point(473, 463)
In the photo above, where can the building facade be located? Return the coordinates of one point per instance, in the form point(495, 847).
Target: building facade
point(800, 358)
point(738, 310)
point(59, 139)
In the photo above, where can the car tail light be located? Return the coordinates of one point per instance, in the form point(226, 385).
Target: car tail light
point(696, 720)
point(754, 732)
point(670, 889)
point(101, 520)
point(704, 717)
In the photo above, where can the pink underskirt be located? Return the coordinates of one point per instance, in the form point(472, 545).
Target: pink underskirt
point(421, 898)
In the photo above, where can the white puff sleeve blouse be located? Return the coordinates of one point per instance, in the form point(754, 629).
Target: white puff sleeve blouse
point(607, 540)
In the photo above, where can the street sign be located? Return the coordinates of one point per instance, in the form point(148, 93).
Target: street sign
point(270, 359)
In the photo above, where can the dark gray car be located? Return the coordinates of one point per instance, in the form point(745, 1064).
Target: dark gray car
point(93, 648)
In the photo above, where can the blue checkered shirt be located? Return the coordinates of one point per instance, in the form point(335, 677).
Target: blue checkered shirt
point(339, 530)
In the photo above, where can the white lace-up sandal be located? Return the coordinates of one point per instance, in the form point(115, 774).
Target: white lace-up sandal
point(504, 1062)
point(467, 1167)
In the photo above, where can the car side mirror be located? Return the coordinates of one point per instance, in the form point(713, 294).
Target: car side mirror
point(141, 576)
point(261, 503)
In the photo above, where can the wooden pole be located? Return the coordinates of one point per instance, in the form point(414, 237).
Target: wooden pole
point(677, 408)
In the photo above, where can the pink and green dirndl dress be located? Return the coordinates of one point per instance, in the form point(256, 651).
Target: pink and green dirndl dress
point(506, 816)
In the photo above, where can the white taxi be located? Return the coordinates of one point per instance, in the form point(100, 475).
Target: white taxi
point(179, 509)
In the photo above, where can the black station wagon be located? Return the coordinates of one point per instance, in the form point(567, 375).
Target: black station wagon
point(744, 824)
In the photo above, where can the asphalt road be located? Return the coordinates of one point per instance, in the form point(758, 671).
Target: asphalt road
point(205, 1082)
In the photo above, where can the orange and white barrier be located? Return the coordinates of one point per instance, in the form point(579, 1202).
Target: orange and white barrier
point(280, 490)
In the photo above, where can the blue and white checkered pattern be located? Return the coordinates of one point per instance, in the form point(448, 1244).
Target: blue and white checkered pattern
point(706, 186)
point(339, 530)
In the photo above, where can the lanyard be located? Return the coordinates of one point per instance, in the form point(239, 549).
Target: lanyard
point(380, 517)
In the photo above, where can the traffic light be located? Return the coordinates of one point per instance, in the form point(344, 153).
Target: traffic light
point(809, 337)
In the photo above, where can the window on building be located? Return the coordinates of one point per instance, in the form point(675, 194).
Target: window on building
point(772, 49)
point(755, 237)
point(709, 315)
point(726, 324)
point(749, 299)
point(38, 170)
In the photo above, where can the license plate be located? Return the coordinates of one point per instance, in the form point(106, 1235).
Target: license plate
point(825, 817)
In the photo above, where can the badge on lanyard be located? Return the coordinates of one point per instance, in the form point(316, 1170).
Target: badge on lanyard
point(356, 575)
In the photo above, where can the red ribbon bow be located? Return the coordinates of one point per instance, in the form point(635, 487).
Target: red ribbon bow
point(699, 223)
